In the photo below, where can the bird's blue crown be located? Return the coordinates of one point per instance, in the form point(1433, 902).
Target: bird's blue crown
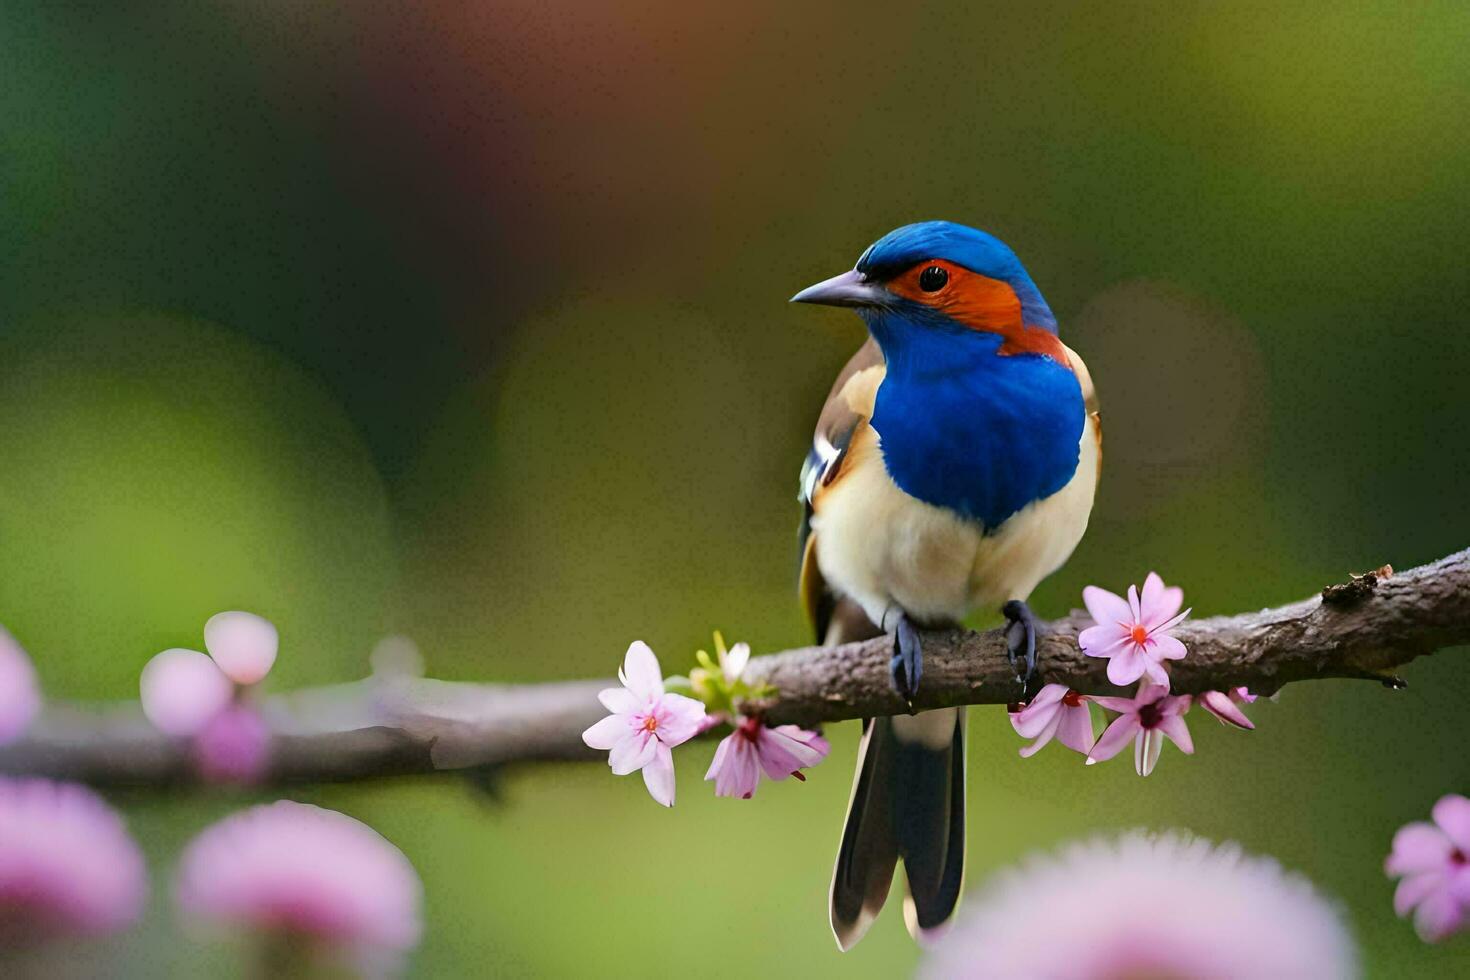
point(978, 251)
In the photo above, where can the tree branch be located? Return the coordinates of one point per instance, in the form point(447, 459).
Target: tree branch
point(387, 726)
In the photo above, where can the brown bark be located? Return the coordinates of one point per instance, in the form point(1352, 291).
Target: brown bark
point(1365, 628)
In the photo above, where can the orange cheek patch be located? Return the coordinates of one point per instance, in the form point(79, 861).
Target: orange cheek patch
point(980, 303)
point(1034, 340)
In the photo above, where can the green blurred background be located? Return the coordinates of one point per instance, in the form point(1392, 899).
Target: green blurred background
point(468, 322)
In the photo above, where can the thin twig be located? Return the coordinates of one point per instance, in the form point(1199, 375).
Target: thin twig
point(405, 726)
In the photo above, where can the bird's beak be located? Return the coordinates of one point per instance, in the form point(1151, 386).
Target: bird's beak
point(848, 289)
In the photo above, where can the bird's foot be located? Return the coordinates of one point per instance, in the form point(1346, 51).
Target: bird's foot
point(907, 665)
point(1021, 629)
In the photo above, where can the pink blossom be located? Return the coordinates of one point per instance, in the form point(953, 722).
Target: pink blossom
point(1134, 633)
point(233, 746)
point(67, 863)
point(753, 748)
point(243, 644)
point(1147, 719)
point(645, 724)
point(304, 873)
point(1146, 905)
point(1433, 861)
point(182, 690)
point(1057, 711)
point(189, 695)
point(1222, 704)
point(20, 694)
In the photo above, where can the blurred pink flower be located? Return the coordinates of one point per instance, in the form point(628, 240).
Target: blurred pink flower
point(1147, 719)
point(182, 690)
point(645, 723)
point(300, 872)
point(1433, 861)
point(753, 748)
point(1057, 711)
point(20, 694)
point(189, 695)
point(243, 644)
point(67, 864)
point(1146, 906)
point(1134, 633)
point(233, 746)
point(1222, 704)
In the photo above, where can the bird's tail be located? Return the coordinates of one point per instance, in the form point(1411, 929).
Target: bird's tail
point(908, 802)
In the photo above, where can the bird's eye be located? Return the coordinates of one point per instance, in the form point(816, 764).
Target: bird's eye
point(932, 279)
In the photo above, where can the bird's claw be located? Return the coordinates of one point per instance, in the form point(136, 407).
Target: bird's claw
point(1021, 629)
point(907, 665)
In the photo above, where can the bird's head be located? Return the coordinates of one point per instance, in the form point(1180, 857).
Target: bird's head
point(938, 277)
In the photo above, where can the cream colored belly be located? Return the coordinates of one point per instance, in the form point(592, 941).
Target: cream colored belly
point(891, 552)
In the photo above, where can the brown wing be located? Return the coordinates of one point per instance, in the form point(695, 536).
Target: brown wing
point(848, 406)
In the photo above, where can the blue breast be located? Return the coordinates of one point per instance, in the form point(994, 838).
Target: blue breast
point(965, 428)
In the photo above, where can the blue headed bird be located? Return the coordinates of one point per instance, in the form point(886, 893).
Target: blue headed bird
point(953, 468)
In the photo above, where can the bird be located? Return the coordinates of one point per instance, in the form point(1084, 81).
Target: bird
point(953, 467)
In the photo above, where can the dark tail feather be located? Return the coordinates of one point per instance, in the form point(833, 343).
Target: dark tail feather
point(869, 847)
point(908, 801)
point(930, 822)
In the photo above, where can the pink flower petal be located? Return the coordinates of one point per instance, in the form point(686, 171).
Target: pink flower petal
point(619, 700)
point(1114, 737)
point(722, 751)
point(1149, 693)
point(1106, 608)
point(1174, 704)
point(608, 732)
point(1124, 705)
point(1459, 885)
point(1177, 729)
point(1036, 716)
point(1050, 694)
point(633, 752)
point(1146, 750)
point(1128, 666)
point(234, 746)
point(1076, 731)
point(1415, 889)
point(806, 748)
point(1452, 814)
point(20, 693)
point(1219, 704)
point(679, 718)
point(1156, 674)
point(1169, 624)
point(1439, 916)
point(658, 774)
point(777, 757)
point(1418, 847)
point(1165, 647)
point(243, 644)
point(1053, 722)
point(640, 672)
point(737, 772)
point(182, 690)
point(1135, 613)
point(1103, 641)
point(1030, 723)
point(1159, 603)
